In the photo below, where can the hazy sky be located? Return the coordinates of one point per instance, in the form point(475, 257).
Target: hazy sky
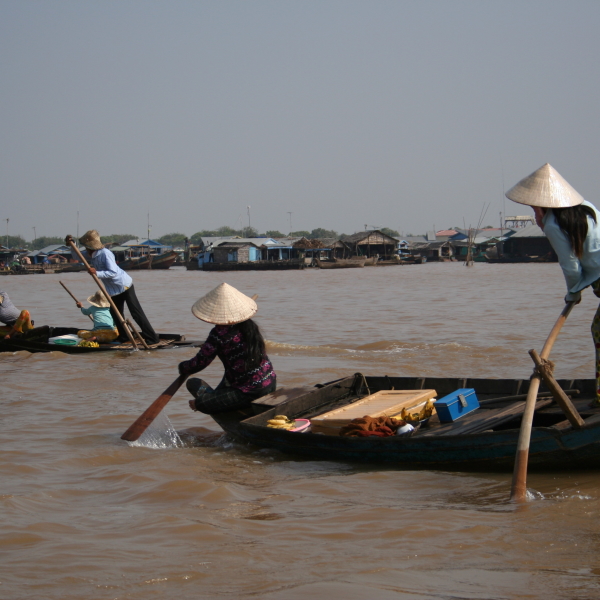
point(405, 114)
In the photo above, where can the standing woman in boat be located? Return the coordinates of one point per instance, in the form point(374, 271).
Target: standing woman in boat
point(237, 341)
point(572, 225)
point(117, 282)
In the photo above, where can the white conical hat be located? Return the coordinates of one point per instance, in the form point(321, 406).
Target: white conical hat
point(224, 306)
point(545, 187)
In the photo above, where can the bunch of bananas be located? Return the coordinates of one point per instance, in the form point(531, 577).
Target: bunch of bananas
point(88, 344)
point(418, 413)
point(281, 422)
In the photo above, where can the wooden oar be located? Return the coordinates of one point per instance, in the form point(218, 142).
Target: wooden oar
point(145, 419)
point(106, 294)
point(76, 301)
point(519, 482)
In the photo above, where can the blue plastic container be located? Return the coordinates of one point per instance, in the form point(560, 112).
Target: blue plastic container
point(456, 405)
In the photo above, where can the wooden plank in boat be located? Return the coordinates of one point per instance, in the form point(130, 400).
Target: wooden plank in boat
point(386, 402)
point(482, 419)
point(281, 395)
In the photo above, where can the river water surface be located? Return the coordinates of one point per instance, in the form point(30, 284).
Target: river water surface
point(85, 515)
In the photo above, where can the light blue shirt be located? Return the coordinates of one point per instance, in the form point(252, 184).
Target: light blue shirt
point(115, 280)
point(578, 272)
point(102, 317)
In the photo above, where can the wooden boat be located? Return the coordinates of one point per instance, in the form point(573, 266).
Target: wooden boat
point(341, 263)
point(42, 269)
point(483, 440)
point(255, 265)
point(149, 261)
point(36, 340)
point(371, 261)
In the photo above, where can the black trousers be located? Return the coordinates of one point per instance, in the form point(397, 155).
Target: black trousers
point(133, 304)
point(223, 398)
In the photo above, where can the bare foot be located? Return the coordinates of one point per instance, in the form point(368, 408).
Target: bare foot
point(92, 339)
point(193, 405)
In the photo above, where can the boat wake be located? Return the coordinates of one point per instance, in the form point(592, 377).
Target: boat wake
point(159, 435)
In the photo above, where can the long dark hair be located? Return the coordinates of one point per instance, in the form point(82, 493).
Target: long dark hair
point(254, 342)
point(573, 223)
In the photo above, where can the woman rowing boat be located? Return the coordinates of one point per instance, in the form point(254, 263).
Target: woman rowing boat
point(572, 226)
point(237, 341)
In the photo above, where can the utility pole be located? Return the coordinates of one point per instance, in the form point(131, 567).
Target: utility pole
point(290, 213)
point(34, 235)
point(77, 226)
point(248, 222)
point(149, 228)
point(7, 220)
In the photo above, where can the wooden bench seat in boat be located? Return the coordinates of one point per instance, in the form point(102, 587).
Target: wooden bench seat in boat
point(479, 420)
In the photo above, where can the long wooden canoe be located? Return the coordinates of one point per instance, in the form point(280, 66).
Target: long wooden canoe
point(36, 340)
point(341, 263)
point(483, 440)
point(149, 261)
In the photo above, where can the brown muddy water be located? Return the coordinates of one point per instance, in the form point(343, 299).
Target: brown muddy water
point(84, 515)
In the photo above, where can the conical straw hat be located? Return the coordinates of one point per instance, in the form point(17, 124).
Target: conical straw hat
point(224, 306)
point(545, 187)
point(98, 299)
point(91, 239)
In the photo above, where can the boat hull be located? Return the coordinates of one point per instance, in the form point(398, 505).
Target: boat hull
point(340, 263)
point(256, 265)
point(154, 261)
point(553, 448)
point(36, 340)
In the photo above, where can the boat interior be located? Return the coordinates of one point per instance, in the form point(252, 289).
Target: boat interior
point(501, 402)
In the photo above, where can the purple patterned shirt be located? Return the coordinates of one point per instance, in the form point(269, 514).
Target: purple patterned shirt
point(226, 342)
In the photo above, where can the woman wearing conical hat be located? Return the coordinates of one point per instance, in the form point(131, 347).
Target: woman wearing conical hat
point(237, 341)
point(572, 225)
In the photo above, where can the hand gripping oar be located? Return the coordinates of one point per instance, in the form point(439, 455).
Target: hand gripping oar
point(76, 301)
point(106, 295)
point(519, 482)
point(145, 419)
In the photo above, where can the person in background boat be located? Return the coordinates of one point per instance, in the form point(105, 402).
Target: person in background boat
point(572, 225)
point(104, 327)
point(237, 341)
point(14, 321)
point(117, 283)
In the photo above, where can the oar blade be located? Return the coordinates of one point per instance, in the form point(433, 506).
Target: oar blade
point(142, 423)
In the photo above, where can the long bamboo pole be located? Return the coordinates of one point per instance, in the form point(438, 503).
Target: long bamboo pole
point(76, 301)
point(106, 294)
point(138, 335)
point(519, 482)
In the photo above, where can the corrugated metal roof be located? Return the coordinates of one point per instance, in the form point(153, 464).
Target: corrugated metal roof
point(527, 232)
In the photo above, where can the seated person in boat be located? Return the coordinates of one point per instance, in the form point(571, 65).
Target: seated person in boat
point(14, 321)
point(237, 341)
point(117, 283)
point(104, 327)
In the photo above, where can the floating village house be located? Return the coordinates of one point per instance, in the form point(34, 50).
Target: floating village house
point(433, 247)
point(370, 243)
point(483, 243)
point(528, 243)
point(52, 253)
point(143, 248)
